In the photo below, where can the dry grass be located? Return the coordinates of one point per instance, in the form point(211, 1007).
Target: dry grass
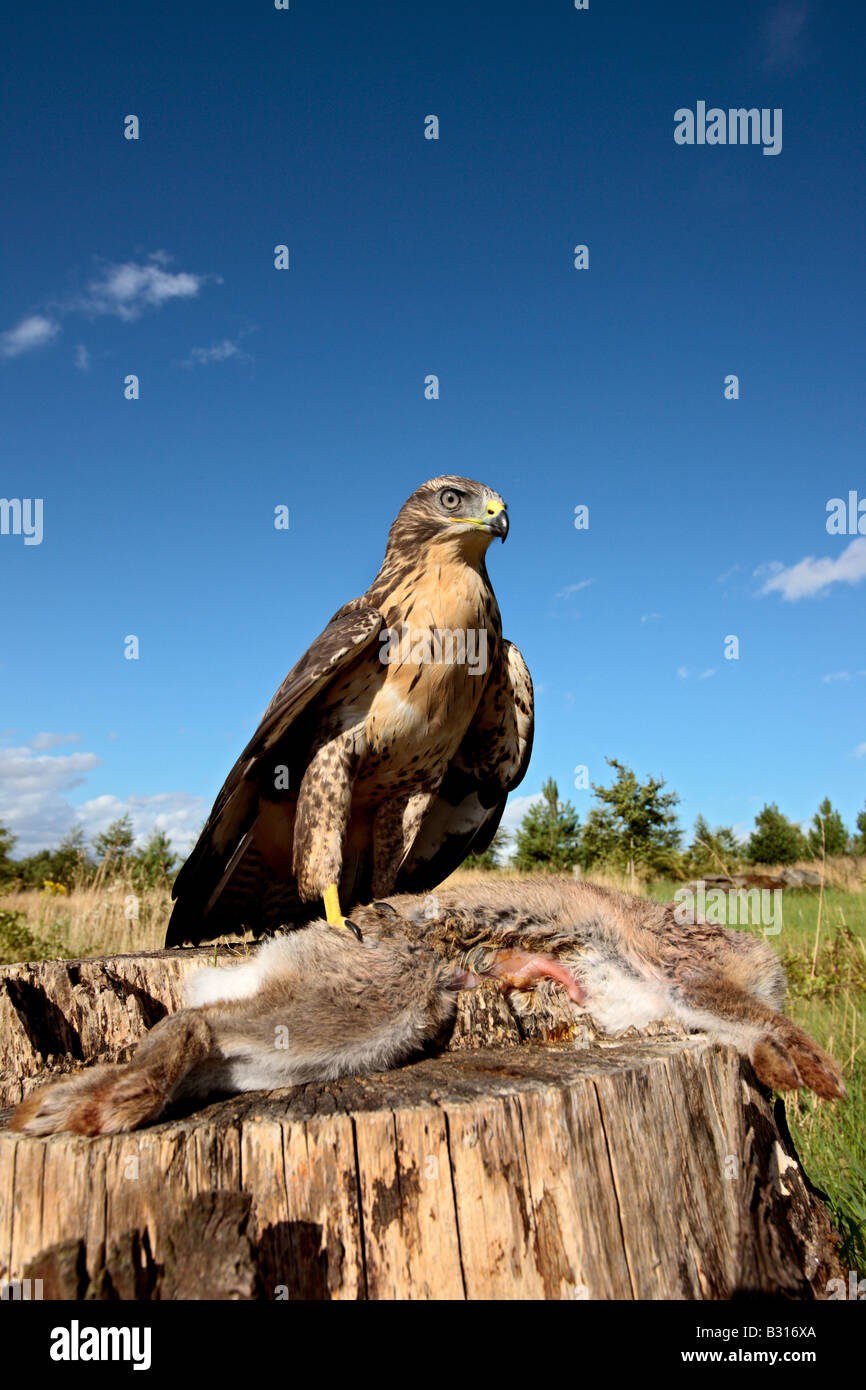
point(105, 918)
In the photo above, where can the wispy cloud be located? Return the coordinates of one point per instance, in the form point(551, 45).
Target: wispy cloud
point(782, 38)
point(218, 352)
point(860, 750)
point(574, 588)
point(684, 673)
point(32, 332)
point(44, 741)
point(811, 576)
point(127, 290)
point(650, 617)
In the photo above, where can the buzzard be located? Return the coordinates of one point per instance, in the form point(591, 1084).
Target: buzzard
point(387, 753)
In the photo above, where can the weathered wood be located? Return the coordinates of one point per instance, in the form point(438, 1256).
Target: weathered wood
point(645, 1168)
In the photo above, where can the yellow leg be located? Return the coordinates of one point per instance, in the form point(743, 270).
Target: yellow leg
point(331, 900)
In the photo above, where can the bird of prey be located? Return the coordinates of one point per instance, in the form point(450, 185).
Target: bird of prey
point(388, 752)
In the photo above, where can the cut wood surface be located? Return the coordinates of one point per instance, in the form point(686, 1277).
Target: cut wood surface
point(647, 1167)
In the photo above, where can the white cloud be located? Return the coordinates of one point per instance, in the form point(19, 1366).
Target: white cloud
point(178, 814)
point(705, 675)
point(35, 804)
point(650, 617)
point(683, 672)
point(218, 352)
point(837, 676)
point(44, 741)
point(123, 290)
point(574, 588)
point(860, 750)
point(32, 332)
point(33, 791)
point(127, 290)
point(811, 576)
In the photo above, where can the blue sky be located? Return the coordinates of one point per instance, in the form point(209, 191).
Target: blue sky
point(409, 256)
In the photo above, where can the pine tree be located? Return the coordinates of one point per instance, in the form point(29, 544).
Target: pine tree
point(775, 839)
point(827, 833)
point(549, 834)
point(69, 860)
point(713, 851)
point(636, 824)
point(8, 866)
point(114, 846)
point(860, 838)
point(490, 857)
point(154, 862)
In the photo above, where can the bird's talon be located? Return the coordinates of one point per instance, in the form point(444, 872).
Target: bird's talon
point(353, 927)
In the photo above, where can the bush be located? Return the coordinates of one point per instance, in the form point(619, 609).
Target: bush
point(16, 940)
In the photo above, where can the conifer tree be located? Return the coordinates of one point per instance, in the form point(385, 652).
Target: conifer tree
point(549, 834)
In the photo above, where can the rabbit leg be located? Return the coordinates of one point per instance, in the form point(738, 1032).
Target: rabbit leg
point(111, 1099)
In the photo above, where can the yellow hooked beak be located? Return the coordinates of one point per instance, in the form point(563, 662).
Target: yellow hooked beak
point(495, 519)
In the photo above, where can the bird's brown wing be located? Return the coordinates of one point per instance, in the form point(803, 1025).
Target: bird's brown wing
point(223, 868)
point(490, 762)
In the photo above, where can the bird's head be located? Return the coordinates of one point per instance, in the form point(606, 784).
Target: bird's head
point(458, 512)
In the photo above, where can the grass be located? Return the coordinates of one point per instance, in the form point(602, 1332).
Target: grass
point(103, 918)
point(822, 943)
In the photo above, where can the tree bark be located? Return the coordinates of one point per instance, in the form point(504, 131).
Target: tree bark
point(651, 1167)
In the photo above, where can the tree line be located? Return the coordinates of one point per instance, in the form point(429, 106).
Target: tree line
point(633, 828)
point(75, 864)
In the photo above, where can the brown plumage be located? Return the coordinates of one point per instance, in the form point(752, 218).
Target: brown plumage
point(317, 1003)
point(367, 773)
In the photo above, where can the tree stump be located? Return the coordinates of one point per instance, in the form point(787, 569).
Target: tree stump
point(647, 1167)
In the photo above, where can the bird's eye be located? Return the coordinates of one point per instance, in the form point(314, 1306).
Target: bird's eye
point(450, 499)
